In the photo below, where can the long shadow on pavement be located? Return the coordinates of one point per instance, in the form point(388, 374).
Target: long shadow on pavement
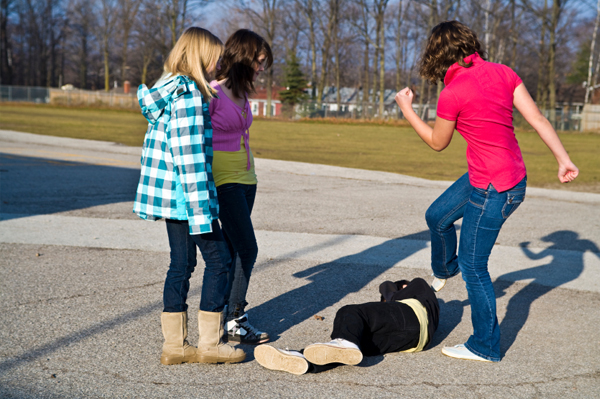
point(330, 282)
point(566, 265)
point(33, 186)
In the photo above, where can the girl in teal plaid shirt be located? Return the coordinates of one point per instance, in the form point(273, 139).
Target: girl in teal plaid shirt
point(176, 184)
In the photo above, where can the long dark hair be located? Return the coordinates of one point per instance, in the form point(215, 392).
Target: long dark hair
point(242, 50)
point(450, 42)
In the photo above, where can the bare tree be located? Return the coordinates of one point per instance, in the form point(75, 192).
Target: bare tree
point(557, 8)
point(328, 31)
point(82, 27)
point(379, 14)
point(106, 26)
point(308, 8)
point(6, 70)
point(401, 37)
point(589, 87)
point(128, 11)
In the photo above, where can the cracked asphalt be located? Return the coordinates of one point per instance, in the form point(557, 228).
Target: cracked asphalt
point(81, 283)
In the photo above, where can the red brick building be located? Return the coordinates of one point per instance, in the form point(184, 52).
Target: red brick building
point(258, 101)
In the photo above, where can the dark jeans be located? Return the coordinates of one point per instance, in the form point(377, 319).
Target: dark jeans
point(235, 207)
point(378, 327)
point(484, 211)
point(183, 262)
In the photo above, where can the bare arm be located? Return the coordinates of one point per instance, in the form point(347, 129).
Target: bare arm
point(567, 171)
point(437, 137)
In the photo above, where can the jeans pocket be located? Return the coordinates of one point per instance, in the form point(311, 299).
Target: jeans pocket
point(478, 197)
point(513, 200)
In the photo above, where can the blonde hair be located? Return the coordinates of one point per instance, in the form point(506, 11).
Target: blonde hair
point(196, 50)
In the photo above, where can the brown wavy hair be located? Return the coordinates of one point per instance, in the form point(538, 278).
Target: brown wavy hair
point(450, 42)
point(242, 50)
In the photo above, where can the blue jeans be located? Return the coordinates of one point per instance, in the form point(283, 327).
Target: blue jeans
point(183, 262)
point(484, 211)
point(235, 207)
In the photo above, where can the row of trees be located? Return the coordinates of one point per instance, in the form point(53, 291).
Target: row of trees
point(372, 44)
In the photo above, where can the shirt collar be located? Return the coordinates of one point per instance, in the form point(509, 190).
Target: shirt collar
point(456, 69)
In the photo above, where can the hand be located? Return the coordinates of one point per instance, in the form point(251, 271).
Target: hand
point(404, 98)
point(567, 172)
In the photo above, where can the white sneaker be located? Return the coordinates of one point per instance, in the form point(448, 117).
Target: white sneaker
point(337, 351)
point(438, 283)
point(280, 359)
point(461, 352)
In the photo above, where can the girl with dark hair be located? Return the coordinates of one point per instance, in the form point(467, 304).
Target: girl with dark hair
point(246, 56)
point(478, 101)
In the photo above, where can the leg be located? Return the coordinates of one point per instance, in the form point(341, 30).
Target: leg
point(484, 216)
point(217, 261)
point(377, 327)
point(217, 266)
point(440, 217)
point(176, 349)
point(183, 263)
point(236, 202)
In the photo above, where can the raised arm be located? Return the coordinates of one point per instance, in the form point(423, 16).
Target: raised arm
point(567, 171)
point(437, 137)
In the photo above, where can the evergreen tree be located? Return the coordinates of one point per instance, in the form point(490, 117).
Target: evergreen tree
point(294, 82)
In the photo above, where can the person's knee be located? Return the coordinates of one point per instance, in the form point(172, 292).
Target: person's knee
point(248, 254)
point(432, 218)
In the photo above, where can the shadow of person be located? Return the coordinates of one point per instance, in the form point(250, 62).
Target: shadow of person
point(566, 265)
point(35, 186)
point(330, 282)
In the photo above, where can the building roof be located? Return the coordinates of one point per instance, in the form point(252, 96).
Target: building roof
point(350, 95)
point(261, 93)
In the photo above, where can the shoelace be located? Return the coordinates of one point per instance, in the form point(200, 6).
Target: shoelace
point(250, 328)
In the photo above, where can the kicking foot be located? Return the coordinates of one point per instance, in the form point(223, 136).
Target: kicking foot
point(337, 351)
point(280, 359)
point(438, 283)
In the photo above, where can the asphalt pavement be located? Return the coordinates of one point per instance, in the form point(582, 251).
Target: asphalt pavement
point(81, 283)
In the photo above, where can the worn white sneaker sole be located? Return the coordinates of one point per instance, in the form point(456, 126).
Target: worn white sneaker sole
point(275, 359)
point(325, 354)
point(461, 352)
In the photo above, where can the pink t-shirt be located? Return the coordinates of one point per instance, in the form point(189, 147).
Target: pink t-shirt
point(230, 122)
point(480, 100)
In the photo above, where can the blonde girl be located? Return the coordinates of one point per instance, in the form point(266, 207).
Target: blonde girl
point(176, 184)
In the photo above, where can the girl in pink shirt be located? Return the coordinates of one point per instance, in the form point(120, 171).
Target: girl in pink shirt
point(478, 102)
point(246, 55)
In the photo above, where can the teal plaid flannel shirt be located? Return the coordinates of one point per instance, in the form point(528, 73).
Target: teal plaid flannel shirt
point(177, 147)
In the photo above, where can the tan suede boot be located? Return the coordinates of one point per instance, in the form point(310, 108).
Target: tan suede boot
point(211, 348)
point(176, 349)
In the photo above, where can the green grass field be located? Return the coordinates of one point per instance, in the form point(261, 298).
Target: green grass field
point(375, 147)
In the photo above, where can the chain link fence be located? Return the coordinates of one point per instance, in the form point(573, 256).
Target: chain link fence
point(25, 94)
point(71, 97)
point(568, 116)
